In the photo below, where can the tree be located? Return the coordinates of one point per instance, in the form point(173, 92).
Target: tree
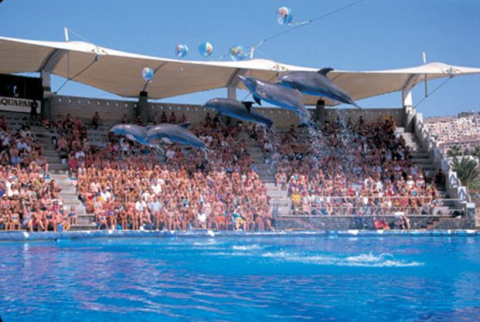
point(467, 172)
point(476, 152)
point(455, 151)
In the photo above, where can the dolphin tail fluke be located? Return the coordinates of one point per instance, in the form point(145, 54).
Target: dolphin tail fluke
point(257, 100)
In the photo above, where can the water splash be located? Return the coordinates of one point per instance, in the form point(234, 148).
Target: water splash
point(362, 260)
point(246, 247)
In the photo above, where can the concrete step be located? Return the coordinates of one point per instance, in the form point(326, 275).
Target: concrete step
point(50, 152)
point(86, 220)
point(70, 199)
point(421, 160)
point(83, 228)
point(60, 177)
point(53, 159)
point(399, 130)
point(420, 154)
point(57, 171)
point(58, 166)
point(277, 194)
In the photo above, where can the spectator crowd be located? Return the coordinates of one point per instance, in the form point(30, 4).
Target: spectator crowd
point(347, 168)
point(28, 200)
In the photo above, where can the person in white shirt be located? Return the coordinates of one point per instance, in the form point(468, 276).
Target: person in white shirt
point(157, 188)
point(105, 195)
point(79, 154)
point(140, 205)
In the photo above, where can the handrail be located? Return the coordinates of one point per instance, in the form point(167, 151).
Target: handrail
point(437, 200)
point(425, 216)
point(453, 184)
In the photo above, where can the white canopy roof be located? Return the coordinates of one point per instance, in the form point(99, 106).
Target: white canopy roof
point(120, 72)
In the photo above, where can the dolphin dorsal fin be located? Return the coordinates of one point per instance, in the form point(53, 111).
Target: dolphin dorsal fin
point(325, 71)
point(248, 105)
point(184, 125)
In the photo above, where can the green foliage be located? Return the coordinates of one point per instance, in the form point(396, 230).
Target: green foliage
point(467, 172)
point(455, 151)
point(476, 152)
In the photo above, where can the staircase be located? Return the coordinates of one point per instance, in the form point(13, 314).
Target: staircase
point(265, 171)
point(55, 164)
point(58, 171)
point(70, 198)
point(279, 202)
point(422, 159)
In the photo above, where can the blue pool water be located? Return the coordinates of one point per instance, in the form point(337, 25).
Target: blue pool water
point(242, 279)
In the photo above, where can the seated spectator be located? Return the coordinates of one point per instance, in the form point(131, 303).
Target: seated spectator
point(62, 144)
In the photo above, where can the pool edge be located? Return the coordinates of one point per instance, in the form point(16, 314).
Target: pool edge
point(74, 235)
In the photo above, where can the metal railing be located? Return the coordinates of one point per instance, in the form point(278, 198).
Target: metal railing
point(333, 208)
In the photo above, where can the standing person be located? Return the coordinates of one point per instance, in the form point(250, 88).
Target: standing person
point(96, 121)
point(154, 206)
point(33, 112)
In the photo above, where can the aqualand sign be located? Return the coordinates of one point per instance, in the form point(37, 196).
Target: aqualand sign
point(21, 105)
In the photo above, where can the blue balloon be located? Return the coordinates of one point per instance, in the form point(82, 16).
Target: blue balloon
point(181, 50)
point(284, 15)
point(238, 53)
point(206, 48)
point(147, 74)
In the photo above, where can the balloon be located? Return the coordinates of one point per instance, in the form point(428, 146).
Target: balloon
point(147, 74)
point(181, 50)
point(238, 53)
point(206, 49)
point(284, 15)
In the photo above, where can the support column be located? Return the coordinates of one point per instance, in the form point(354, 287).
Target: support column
point(232, 92)
point(142, 109)
point(319, 113)
point(408, 109)
point(46, 108)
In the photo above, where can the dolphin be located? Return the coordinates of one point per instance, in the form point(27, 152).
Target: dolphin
point(132, 132)
point(275, 94)
point(236, 109)
point(170, 133)
point(317, 84)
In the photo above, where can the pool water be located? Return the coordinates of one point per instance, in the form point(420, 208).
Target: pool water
point(242, 279)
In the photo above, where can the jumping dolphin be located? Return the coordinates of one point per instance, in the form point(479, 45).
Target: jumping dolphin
point(236, 109)
point(132, 132)
point(276, 95)
point(318, 84)
point(169, 133)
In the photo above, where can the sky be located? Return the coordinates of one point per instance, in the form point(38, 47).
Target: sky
point(370, 35)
